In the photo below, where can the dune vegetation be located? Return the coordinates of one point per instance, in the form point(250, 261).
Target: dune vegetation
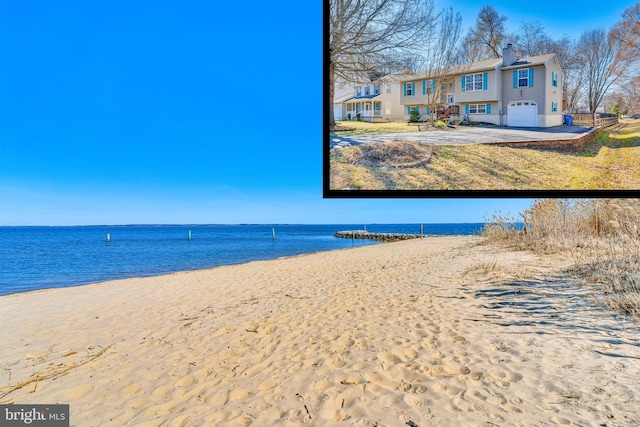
point(601, 235)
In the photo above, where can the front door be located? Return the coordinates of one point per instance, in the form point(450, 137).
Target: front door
point(451, 99)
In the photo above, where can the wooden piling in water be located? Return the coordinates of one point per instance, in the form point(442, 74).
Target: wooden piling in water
point(273, 234)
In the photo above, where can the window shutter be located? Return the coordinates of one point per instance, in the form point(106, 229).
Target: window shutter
point(531, 77)
point(428, 110)
point(488, 108)
point(405, 89)
point(408, 110)
point(466, 109)
point(433, 86)
point(464, 83)
point(413, 88)
point(424, 87)
point(484, 80)
point(515, 79)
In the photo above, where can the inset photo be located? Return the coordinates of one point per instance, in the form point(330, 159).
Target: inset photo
point(426, 100)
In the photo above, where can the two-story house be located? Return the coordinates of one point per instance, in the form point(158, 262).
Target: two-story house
point(507, 91)
point(377, 100)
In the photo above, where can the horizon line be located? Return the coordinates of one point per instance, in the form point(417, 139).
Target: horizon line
point(232, 224)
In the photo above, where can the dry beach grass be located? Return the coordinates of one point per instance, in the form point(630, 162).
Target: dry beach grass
point(602, 236)
point(443, 331)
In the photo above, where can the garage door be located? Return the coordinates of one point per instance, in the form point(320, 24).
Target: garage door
point(522, 114)
point(337, 112)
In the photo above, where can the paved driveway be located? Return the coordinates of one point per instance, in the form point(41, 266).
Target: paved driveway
point(466, 135)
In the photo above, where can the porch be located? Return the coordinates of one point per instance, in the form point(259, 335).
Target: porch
point(366, 110)
point(441, 112)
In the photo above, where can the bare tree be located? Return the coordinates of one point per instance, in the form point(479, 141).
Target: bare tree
point(627, 32)
point(441, 58)
point(487, 35)
point(615, 103)
point(468, 50)
point(368, 35)
point(598, 54)
point(631, 95)
point(532, 40)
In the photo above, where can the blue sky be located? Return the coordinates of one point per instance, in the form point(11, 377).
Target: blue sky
point(119, 112)
point(558, 17)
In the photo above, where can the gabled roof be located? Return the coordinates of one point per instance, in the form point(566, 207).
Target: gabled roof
point(343, 98)
point(487, 64)
point(374, 77)
point(530, 61)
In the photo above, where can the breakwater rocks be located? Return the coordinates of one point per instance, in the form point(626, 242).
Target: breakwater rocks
point(387, 237)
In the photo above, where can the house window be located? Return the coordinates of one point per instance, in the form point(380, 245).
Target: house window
point(366, 107)
point(554, 107)
point(477, 108)
point(388, 87)
point(554, 79)
point(409, 89)
point(473, 82)
point(367, 90)
point(358, 92)
point(429, 87)
point(377, 107)
point(376, 89)
point(523, 78)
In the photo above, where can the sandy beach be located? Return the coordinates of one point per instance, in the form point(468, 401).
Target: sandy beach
point(442, 331)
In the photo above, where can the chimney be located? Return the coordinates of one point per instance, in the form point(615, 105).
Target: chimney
point(508, 55)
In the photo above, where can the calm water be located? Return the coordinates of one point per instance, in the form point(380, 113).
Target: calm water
point(47, 257)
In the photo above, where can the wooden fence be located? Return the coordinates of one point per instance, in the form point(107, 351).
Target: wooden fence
point(598, 119)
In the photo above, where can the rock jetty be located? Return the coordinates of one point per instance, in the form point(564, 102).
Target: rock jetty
point(387, 237)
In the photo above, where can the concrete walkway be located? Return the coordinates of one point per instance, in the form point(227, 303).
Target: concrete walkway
point(466, 135)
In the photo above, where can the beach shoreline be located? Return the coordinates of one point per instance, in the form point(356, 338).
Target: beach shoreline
point(434, 331)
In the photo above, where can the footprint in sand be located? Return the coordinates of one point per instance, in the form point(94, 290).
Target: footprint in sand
point(186, 381)
point(78, 391)
point(336, 363)
point(132, 389)
point(218, 399)
point(267, 385)
point(388, 357)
